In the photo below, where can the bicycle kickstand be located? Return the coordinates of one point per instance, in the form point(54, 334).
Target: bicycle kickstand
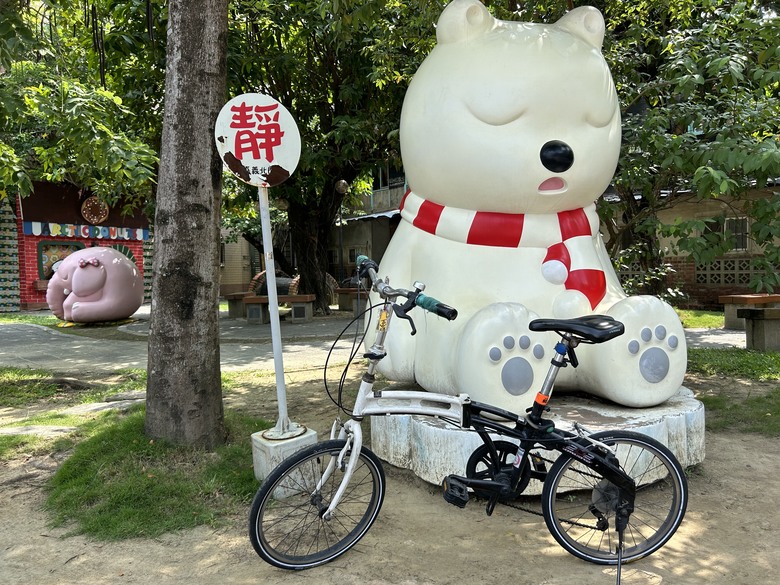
point(619, 555)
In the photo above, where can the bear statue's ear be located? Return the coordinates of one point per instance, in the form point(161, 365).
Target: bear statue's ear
point(461, 20)
point(585, 22)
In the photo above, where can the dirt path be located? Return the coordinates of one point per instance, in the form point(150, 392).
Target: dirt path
point(728, 537)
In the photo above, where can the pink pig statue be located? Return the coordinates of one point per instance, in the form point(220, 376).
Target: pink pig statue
point(95, 284)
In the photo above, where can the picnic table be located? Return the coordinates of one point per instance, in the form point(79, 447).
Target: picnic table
point(733, 303)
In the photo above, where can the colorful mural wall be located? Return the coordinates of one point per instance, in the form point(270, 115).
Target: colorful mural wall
point(51, 224)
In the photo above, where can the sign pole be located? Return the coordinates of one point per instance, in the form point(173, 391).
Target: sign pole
point(259, 142)
point(284, 428)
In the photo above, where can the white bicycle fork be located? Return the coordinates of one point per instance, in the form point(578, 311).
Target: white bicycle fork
point(352, 432)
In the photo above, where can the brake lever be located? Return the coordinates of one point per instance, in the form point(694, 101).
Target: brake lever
point(401, 312)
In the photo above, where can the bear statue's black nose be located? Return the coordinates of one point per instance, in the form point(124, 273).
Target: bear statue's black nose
point(557, 156)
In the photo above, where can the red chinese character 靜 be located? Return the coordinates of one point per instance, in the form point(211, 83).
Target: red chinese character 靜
point(259, 133)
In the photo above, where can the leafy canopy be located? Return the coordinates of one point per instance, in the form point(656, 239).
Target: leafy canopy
point(699, 82)
point(56, 122)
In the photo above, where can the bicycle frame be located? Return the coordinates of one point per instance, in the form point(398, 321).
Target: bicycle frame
point(532, 431)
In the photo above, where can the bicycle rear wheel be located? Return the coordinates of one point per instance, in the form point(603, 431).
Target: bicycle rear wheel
point(285, 523)
point(575, 497)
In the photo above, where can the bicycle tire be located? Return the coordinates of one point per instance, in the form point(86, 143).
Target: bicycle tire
point(572, 490)
point(285, 524)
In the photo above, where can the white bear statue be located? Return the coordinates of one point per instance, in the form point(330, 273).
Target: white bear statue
point(509, 133)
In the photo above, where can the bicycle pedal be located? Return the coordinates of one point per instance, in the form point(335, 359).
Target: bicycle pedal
point(455, 491)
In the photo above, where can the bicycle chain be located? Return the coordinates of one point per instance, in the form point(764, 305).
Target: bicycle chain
point(538, 513)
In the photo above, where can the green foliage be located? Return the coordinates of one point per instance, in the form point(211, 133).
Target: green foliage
point(734, 362)
point(653, 280)
point(69, 132)
point(334, 67)
point(15, 35)
point(699, 83)
point(765, 231)
point(12, 173)
point(57, 125)
point(752, 414)
point(119, 484)
point(317, 58)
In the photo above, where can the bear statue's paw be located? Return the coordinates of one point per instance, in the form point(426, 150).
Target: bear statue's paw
point(653, 347)
point(646, 365)
point(499, 359)
point(515, 359)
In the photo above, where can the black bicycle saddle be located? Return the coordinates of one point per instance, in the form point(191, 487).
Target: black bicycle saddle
point(592, 328)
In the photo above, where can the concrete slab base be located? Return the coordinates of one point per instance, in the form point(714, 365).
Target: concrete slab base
point(268, 453)
point(433, 449)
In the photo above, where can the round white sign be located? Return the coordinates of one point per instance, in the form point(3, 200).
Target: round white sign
point(258, 139)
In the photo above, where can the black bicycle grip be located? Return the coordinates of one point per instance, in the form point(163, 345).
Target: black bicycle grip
point(363, 264)
point(436, 306)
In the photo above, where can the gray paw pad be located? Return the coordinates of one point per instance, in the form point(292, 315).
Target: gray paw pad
point(517, 374)
point(653, 360)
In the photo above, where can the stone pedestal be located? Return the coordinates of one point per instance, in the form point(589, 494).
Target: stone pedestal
point(268, 453)
point(433, 449)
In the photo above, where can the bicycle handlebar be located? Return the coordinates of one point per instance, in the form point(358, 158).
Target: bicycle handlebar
point(367, 268)
point(435, 306)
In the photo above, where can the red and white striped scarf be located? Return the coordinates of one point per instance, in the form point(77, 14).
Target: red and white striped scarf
point(555, 232)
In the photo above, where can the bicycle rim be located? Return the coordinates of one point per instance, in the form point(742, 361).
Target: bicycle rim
point(285, 523)
point(575, 497)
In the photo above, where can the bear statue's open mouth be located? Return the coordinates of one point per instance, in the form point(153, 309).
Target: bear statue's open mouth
point(552, 186)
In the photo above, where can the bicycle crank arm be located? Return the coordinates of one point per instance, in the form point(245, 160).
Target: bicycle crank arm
point(456, 488)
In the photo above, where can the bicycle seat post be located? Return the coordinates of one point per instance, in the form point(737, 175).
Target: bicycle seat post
point(559, 361)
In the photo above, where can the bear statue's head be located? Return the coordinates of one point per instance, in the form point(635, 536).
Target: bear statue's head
point(512, 117)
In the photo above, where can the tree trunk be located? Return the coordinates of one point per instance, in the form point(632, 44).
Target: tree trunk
point(310, 227)
point(184, 392)
point(281, 260)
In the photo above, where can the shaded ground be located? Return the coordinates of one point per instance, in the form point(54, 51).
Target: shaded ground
point(728, 536)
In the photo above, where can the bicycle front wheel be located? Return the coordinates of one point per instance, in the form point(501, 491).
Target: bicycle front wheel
point(286, 526)
point(579, 503)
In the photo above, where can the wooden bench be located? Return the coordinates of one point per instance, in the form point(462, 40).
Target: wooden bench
point(348, 300)
point(257, 308)
point(762, 328)
point(733, 303)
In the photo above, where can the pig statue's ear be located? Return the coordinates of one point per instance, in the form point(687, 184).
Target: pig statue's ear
point(463, 20)
point(585, 22)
